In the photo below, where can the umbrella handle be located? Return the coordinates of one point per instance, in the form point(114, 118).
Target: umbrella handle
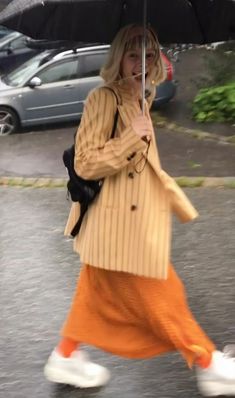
point(144, 54)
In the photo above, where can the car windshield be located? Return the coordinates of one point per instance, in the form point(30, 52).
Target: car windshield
point(18, 76)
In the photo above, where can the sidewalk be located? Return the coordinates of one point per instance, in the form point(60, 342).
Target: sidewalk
point(35, 159)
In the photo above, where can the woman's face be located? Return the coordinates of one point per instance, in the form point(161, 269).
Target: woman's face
point(131, 67)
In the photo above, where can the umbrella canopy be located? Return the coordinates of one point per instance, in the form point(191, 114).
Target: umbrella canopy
point(175, 21)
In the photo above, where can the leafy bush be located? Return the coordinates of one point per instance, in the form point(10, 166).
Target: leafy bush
point(215, 104)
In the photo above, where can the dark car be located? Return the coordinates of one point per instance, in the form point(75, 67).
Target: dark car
point(4, 31)
point(52, 87)
point(14, 51)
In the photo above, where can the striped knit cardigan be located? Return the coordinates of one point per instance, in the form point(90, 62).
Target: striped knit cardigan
point(128, 226)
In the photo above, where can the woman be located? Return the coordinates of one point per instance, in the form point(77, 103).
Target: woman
point(128, 292)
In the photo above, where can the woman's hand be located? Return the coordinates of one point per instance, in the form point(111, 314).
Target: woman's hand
point(143, 127)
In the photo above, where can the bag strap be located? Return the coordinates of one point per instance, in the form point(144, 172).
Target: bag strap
point(116, 114)
point(83, 208)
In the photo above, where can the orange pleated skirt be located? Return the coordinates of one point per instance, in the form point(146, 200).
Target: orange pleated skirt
point(133, 316)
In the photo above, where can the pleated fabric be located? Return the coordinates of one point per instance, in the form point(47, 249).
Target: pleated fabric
point(133, 316)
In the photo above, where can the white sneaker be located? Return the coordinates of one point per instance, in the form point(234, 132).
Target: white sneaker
point(76, 370)
point(218, 378)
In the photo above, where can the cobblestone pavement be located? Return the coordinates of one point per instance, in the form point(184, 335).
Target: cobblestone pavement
point(38, 272)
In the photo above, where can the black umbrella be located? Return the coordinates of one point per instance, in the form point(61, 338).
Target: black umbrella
point(175, 21)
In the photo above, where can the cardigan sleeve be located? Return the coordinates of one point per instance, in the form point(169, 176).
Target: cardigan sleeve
point(96, 155)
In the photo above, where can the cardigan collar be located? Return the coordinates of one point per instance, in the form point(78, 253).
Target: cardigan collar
point(126, 93)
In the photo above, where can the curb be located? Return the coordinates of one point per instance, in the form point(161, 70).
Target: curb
point(194, 133)
point(183, 181)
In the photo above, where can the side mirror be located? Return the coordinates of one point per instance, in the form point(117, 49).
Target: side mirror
point(35, 82)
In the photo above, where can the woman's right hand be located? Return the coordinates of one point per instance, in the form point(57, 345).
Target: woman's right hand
point(143, 127)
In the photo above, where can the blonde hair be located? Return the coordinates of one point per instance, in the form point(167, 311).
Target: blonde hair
point(125, 41)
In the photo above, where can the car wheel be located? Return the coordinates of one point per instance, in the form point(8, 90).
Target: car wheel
point(9, 121)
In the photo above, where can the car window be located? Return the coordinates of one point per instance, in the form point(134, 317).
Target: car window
point(5, 47)
point(18, 43)
point(91, 64)
point(26, 70)
point(64, 70)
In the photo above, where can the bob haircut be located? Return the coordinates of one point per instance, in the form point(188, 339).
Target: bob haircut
point(124, 41)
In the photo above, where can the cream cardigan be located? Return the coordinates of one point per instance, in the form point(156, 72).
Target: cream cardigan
point(128, 227)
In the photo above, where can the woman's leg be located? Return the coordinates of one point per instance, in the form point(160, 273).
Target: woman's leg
point(157, 311)
point(171, 315)
point(67, 346)
point(69, 365)
point(171, 320)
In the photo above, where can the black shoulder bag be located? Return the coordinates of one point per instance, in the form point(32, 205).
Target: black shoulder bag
point(80, 190)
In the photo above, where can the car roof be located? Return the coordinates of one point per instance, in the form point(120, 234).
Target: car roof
point(67, 50)
point(61, 53)
point(82, 50)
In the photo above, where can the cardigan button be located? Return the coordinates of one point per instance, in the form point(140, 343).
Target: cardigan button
point(133, 207)
point(130, 174)
point(131, 156)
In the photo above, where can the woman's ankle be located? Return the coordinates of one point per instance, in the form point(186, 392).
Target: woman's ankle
point(67, 346)
point(204, 361)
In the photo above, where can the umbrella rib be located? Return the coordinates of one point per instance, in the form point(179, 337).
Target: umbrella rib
point(49, 14)
point(198, 20)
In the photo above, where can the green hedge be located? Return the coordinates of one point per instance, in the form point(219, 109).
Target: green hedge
point(215, 104)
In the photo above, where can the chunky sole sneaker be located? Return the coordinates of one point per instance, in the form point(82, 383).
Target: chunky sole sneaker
point(76, 370)
point(218, 378)
point(215, 389)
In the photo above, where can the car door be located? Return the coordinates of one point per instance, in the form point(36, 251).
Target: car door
point(56, 98)
point(89, 70)
point(65, 86)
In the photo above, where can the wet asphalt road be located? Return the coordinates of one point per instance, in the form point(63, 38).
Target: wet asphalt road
point(38, 274)
point(39, 153)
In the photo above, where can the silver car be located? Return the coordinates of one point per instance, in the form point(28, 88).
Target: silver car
point(52, 86)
